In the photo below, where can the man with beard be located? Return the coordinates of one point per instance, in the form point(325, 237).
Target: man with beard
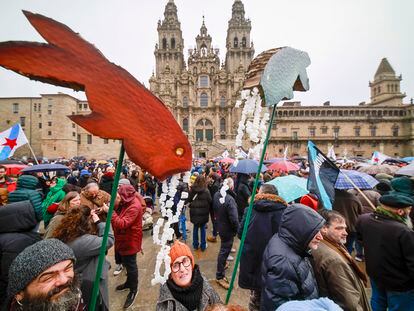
point(42, 278)
point(389, 253)
point(95, 199)
point(337, 273)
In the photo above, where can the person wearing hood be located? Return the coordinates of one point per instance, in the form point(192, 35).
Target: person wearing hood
point(227, 221)
point(26, 190)
point(17, 221)
point(55, 195)
point(264, 222)
point(200, 201)
point(127, 224)
point(287, 273)
point(186, 288)
point(243, 192)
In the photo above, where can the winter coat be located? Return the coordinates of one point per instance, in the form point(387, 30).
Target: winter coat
point(106, 183)
point(200, 202)
point(167, 302)
point(26, 190)
point(227, 218)
point(243, 192)
point(17, 221)
point(264, 223)
point(55, 194)
point(86, 249)
point(349, 206)
point(5, 188)
point(127, 223)
point(389, 251)
point(287, 273)
point(53, 224)
point(337, 280)
point(372, 196)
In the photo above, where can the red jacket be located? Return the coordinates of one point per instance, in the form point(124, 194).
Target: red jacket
point(127, 223)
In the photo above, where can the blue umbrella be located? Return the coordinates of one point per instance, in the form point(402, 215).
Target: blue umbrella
point(246, 166)
point(290, 187)
point(45, 168)
point(408, 159)
point(360, 179)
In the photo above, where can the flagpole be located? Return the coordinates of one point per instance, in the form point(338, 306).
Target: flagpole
point(31, 150)
point(95, 290)
point(249, 209)
point(360, 191)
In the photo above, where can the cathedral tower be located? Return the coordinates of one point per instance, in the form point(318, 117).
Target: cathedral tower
point(240, 49)
point(169, 49)
point(386, 85)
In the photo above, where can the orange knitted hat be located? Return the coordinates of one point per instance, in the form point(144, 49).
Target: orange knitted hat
point(180, 249)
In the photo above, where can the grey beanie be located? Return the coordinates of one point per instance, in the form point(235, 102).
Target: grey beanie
point(35, 259)
point(124, 181)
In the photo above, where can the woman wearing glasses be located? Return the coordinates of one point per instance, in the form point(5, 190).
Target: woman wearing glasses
point(186, 289)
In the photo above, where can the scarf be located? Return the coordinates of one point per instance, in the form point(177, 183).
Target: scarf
point(341, 250)
point(382, 211)
point(189, 297)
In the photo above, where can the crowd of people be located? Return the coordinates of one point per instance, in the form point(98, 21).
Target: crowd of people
point(296, 255)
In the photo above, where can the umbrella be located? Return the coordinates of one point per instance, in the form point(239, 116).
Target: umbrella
point(298, 158)
point(45, 168)
point(246, 166)
point(290, 187)
point(227, 160)
point(285, 166)
point(376, 169)
point(13, 169)
point(406, 170)
point(361, 180)
point(408, 159)
point(273, 160)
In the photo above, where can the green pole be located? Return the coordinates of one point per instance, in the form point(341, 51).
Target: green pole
point(95, 290)
point(249, 210)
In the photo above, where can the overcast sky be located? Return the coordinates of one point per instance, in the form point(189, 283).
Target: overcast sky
point(345, 39)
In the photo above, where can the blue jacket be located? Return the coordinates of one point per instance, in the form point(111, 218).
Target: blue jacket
point(264, 223)
point(287, 273)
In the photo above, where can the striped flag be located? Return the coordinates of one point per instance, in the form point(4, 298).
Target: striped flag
point(10, 140)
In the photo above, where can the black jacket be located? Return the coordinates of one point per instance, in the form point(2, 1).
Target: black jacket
point(287, 273)
point(227, 218)
point(17, 221)
point(243, 192)
point(389, 251)
point(264, 223)
point(200, 202)
point(106, 183)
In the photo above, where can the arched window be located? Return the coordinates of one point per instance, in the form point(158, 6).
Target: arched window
point(222, 101)
point(203, 81)
point(185, 102)
point(204, 130)
point(379, 89)
point(185, 125)
point(173, 43)
point(244, 42)
point(222, 125)
point(203, 100)
point(236, 42)
point(164, 43)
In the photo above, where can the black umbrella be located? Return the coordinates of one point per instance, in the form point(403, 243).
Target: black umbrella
point(45, 168)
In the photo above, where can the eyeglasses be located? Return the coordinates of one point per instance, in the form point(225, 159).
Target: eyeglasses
point(176, 265)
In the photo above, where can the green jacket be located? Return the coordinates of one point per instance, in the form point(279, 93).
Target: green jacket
point(25, 190)
point(56, 194)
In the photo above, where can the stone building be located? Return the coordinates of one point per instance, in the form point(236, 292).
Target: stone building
point(201, 92)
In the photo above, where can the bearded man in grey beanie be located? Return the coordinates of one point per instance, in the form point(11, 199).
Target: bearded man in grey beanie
point(42, 277)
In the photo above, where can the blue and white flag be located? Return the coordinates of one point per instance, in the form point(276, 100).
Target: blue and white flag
point(10, 140)
point(322, 176)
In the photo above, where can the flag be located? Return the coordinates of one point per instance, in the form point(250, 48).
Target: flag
point(331, 153)
point(322, 176)
point(10, 140)
point(241, 154)
point(225, 154)
point(378, 157)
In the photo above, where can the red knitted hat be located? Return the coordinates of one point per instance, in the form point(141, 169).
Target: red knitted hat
point(180, 249)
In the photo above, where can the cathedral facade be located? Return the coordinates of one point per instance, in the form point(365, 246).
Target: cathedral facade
point(201, 92)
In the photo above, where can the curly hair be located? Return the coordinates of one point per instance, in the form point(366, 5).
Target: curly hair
point(74, 224)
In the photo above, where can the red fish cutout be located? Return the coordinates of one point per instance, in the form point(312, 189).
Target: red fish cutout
point(122, 108)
